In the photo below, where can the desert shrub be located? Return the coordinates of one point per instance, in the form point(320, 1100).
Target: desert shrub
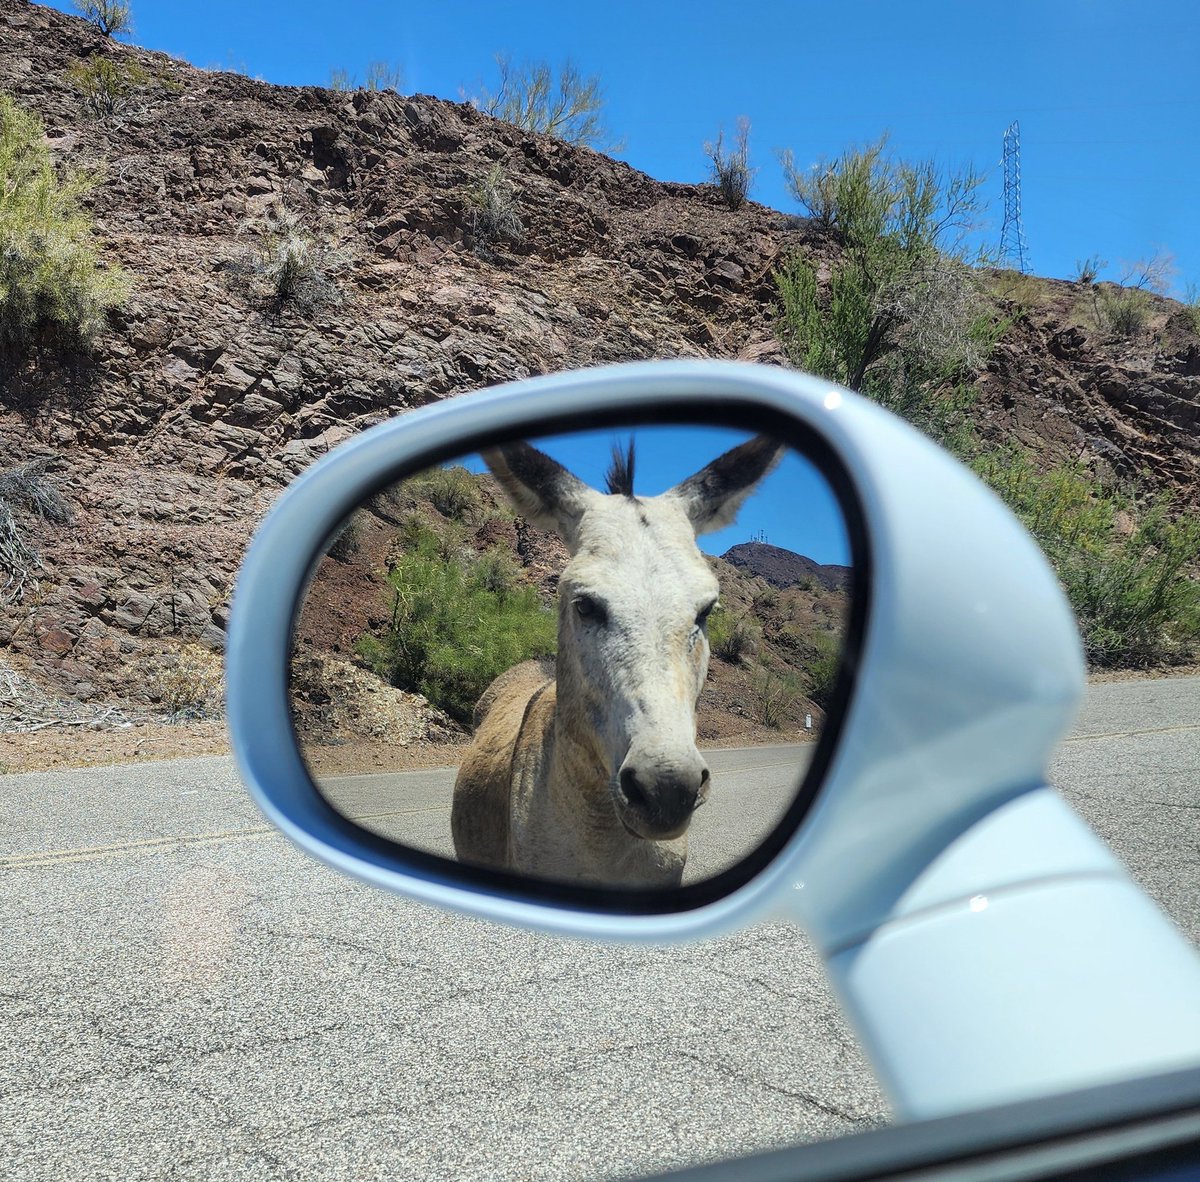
point(1133, 589)
point(25, 488)
point(1087, 270)
point(567, 106)
point(1191, 305)
point(731, 171)
point(773, 695)
point(901, 317)
point(768, 598)
point(733, 640)
point(111, 17)
point(383, 76)
point(379, 76)
point(822, 667)
point(450, 635)
point(492, 213)
point(1123, 311)
point(107, 86)
point(453, 492)
point(497, 571)
point(1124, 308)
point(288, 263)
point(52, 287)
point(189, 684)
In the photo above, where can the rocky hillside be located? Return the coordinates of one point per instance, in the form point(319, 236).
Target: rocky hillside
point(206, 396)
point(784, 568)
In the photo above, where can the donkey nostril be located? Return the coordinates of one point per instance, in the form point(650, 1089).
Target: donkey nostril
point(703, 777)
point(632, 790)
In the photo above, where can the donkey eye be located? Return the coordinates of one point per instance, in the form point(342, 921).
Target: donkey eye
point(588, 608)
point(702, 618)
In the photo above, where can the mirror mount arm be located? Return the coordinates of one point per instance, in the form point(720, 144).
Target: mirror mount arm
point(1000, 975)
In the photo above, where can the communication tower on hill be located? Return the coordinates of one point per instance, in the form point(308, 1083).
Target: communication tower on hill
point(760, 536)
point(1013, 249)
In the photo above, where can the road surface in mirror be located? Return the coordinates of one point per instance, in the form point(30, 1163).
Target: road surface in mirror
point(752, 788)
point(601, 658)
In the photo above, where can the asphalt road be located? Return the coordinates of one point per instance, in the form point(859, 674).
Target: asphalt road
point(185, 996)
point(750, 790)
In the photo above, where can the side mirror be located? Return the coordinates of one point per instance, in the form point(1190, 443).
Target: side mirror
point(914, 837)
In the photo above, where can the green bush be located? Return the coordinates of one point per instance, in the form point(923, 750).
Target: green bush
point(901, 317)
point(1123, 311)
point(774, 695)
point(105, 85)
point(822, 668)
point(111, 17)
point(733, 640)
point(1128, 569)
point(453, 492)
point(451, 630)
point(52, 288)
point(1124, 307)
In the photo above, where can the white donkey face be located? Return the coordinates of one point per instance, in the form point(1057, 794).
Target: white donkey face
point(633, 604)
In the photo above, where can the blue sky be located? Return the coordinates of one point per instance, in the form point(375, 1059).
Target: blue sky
point(1107, 91)
point(793, 506)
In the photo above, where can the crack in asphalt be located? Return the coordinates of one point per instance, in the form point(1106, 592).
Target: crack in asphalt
point(856, 1119)
point(336, 941)
point(179, 1055)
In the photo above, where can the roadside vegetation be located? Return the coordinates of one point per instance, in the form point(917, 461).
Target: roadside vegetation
point(1127, 566)
point(904, 319)
point(54, 290)
point(26, 491)
point(456, 622)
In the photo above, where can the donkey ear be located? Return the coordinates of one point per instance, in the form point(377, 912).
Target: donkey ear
point(714, 495)
point(539, 488)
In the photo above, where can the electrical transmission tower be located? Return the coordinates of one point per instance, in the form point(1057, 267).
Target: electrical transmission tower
point(1013, 249)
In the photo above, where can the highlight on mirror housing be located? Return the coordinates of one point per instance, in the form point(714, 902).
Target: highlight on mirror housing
point(599, 658)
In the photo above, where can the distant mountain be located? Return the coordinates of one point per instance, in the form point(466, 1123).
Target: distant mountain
point(785, 568)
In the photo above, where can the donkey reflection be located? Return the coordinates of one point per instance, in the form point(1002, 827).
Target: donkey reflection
point(593, 775)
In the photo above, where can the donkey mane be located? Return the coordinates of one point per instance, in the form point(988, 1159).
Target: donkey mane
point(619, 476)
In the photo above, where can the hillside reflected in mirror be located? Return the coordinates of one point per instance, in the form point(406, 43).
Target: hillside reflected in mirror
point(600, 658)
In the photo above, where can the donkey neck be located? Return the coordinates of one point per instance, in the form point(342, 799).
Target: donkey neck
point(605, 852)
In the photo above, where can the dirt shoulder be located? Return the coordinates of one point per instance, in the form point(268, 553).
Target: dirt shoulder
point(58, 748)
point(68, 746)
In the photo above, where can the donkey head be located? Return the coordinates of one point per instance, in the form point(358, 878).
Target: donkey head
point(634, 601)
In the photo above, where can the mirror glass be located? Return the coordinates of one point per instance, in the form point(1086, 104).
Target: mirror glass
point(600, 658)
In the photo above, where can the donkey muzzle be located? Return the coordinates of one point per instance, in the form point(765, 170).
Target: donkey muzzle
point(656, 797)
